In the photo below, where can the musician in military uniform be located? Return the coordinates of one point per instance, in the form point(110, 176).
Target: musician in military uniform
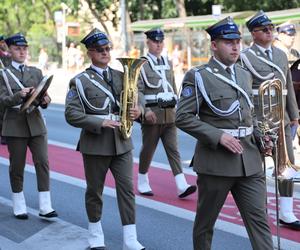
point(4, 53)
point(265, 62)
point(159, 95)
point(4, 62)
point(285, 40)
point(24, 129)
point(92, 104)
point(216, 108)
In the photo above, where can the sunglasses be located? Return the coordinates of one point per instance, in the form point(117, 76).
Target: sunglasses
point(265, 29)
point(101, 50)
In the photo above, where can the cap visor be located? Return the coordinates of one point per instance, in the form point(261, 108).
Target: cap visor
point(20, 44)
point(230, 36)
point(101, 42)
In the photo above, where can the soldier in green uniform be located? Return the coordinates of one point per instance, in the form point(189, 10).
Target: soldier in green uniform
point(215, 107)
point(4, 62)
point(4, 53)
point(266, 62)
point(92, 104)
point(23, 129)
point(285, 40)
point(159, 95)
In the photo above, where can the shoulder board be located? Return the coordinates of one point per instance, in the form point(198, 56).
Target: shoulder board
point(144, 57)
point(199, 68)
point(242, 67)
point(79, 75)
point(245, 50)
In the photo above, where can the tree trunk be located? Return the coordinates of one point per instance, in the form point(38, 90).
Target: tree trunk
point(180, 8)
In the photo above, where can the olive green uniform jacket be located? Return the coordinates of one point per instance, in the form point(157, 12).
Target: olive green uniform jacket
point(210, 157)
point(95, 139)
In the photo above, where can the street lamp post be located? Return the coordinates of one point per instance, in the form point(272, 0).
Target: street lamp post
point(124, 35)
point(64, 35)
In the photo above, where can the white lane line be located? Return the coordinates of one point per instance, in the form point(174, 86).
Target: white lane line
point(160, 206)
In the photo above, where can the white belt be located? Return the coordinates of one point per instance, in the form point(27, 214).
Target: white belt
point(239, 132)
point(150, 97)
point(272, 92)
point(17, 107)
point(112, 117)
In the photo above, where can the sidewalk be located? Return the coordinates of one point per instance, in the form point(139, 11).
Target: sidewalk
point(36, 233)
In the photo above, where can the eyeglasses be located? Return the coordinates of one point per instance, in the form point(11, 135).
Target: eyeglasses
point(265, 29)
point(101, 50)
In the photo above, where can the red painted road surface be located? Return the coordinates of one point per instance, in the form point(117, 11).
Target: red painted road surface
point(69, 162)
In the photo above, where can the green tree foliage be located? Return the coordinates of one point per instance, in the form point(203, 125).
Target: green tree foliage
point(35, 19)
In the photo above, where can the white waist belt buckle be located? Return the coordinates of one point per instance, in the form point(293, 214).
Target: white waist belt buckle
point(242, 132)
point(114, 117)
point(239, 132)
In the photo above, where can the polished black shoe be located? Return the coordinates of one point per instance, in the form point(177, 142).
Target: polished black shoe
point(191, 189)
point(149, 193)
point(293, 225)
point(97, 248)
point(49, 215)
point(22, 216)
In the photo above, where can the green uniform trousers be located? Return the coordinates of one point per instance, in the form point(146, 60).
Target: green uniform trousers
point(249, 194)
point(121, 166)
point(151, 135)
point(17, 148)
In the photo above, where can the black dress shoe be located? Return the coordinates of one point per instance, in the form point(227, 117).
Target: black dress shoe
point(191, 189)
point(149, 193)
point(22, 216)
point(293, 225)
point(49, 215)
point(97, 248)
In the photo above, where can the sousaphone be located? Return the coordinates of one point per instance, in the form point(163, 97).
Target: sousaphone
point(37, 95)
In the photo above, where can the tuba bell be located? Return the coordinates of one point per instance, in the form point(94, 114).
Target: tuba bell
point(271, 110)
point(129, 93)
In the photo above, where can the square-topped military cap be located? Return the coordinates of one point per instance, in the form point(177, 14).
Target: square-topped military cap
point(16, 39)
point(94, 38)
point(258, 20)
point(287, 28)
point(155, 34)
point(224, 29)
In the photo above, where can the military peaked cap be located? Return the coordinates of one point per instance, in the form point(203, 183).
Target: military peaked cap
point(259, 19)
point(94, 38)
point(16, 39)
point(224, 29)
point(155, 34)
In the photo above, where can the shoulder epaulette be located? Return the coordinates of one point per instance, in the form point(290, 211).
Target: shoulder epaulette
point(242, 67)
point(199, 68)
point(245, 50)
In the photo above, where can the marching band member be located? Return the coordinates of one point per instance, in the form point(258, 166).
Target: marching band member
point(215, 107)
point(158, 94)
point(266, 62)
point(24, 130)
point(92, 104)
point(285, 40)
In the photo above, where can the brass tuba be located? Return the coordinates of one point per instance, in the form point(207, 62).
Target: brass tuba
point(271, 110)
point(129, 93)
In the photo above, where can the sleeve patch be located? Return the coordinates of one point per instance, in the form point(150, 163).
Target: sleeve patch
point(71, 94)
point(187, 91)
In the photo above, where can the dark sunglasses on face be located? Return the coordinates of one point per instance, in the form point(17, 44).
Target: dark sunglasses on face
point(265, 29)
point(101, 50)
